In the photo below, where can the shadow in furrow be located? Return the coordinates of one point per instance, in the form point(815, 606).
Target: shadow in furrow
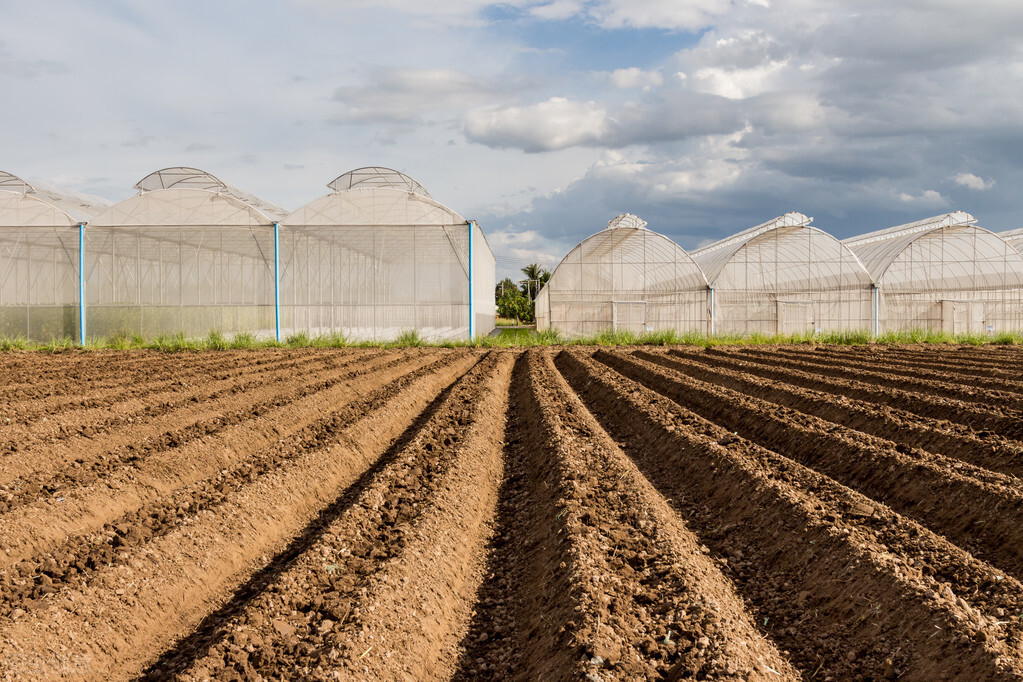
point(197, 644)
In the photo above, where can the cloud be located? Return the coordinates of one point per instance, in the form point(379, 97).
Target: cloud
point(973, 181)
point(927, 197)
point(198, 147)
point(559, 122)
point(404, 95)
point(633, 77)
point(554, 124)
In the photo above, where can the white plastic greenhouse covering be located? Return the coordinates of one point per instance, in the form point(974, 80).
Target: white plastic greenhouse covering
point(378, 256)
point(785, 276)
point(1014, 237)
point(187, 254)
point(624, 277)
point(944, 273)
point(40, 229)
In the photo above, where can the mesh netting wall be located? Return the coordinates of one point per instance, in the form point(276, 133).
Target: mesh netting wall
point(373, 282)
point(165, 280)
point(39, 282)
point(791, 280)
point(957, 279)
point(484, 279)
point(624, 278)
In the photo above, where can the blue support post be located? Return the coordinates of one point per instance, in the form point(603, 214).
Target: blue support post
point(712, 311)
point(876, 321)
point(81, 283)
point(277, 280)
point(472, 312)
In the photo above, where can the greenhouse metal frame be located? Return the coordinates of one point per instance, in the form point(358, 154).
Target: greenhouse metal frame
point(785, 276)
point(41, 233)
point(378, 256)
point(625, 277)
point(945, 274)
point(189, 254)
point(1014, 237)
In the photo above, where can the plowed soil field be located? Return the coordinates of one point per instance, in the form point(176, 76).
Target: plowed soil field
point(756, 513)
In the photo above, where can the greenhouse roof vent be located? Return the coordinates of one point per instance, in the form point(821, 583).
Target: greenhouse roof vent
point(377, 176)
point(626, 220)
point(184, 177)
point(12, 183)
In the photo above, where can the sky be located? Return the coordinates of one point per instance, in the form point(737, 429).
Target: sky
point(540, 119)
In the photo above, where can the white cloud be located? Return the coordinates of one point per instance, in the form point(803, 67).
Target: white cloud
point(973, 181)
point(633, 77)
point(928, 197)
point(738, 83)
point(554, 124)
point(665, 14)
point(405, 94)
point(557, 10)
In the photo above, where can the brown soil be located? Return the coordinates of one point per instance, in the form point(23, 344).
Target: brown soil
point(432, 514)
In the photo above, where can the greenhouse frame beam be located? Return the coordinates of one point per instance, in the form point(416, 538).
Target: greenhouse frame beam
point(81, 283)
point(947, 220)
point(472, 314)
point(277, 281)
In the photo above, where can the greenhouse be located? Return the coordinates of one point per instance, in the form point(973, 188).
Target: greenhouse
point(187, 254)
point(379, 256)
point(624, 277)
point(785, 276)
point(1014, 237)
point(40, 260)
point(945, 274)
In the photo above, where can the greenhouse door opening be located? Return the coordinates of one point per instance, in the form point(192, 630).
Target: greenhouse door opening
point(795, 317)
point(963, 317)
point(628, 315)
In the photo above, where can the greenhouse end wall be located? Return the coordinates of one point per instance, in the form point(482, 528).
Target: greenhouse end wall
point(786, 277)
point(39, 283)
point(169, 280)
point(944, 274)
point(484, 280)
point(628, 278)
point(374, 282)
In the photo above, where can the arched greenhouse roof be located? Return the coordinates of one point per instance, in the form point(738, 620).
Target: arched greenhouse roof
point(24, 204)
point(184, 177)
point(945, 252)
point(374, 196)
point(626, 256)
point(377, 176)
point(188, 197)
point(1014, 237)
point(785, 253)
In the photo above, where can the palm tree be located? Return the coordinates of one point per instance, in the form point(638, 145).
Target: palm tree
point(536, 277)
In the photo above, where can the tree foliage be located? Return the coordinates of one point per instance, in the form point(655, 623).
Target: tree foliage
point(516, 300)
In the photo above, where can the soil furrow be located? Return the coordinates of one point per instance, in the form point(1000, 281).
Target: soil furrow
point(115, 386)
point(978, 510)
point(98, 418)
point(73, 562)
point(949, 378)
point(984, 357)
point(626, 594)
point(998, 399)
point(981, 419)
point(40, 526)
point(133, 612)
point(899, 426)
point(809, 555)
point(84, 459)
point(387, 588)
point(956, 371)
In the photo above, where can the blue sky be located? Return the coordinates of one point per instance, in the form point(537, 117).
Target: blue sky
point(541, 119)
